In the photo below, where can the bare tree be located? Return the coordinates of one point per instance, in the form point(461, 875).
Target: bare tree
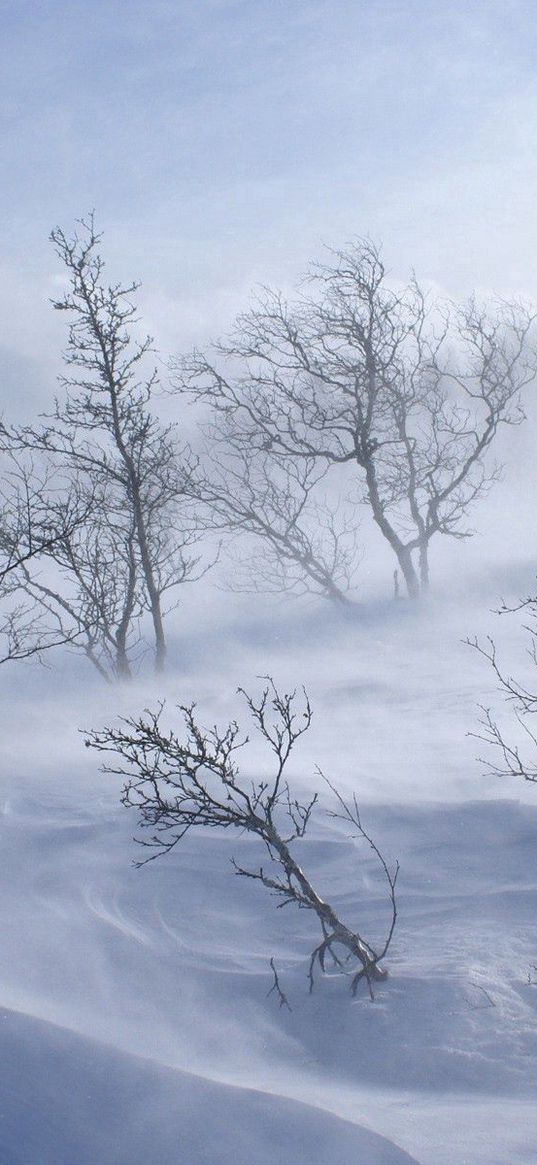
point(104, 437)
point(296, 543)
point(90, 595)
point(33, 522)
point(176, 786)
point(409, 394)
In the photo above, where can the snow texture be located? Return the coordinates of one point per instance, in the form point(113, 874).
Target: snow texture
point(136, 1026)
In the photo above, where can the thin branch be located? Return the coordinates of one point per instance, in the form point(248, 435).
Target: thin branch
point(276, 986)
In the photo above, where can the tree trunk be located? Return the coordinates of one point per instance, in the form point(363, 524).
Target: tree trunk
point(152, 591)
point(122, 664)
point(122, 658)
point(404, 558)
point(402, 553)
point(424, 567)
point(141, 531)
point(325, 913)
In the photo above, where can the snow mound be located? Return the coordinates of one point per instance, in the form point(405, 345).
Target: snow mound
point(66, 1099)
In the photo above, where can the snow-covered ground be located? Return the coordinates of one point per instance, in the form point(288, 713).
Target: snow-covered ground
point(136, 1027)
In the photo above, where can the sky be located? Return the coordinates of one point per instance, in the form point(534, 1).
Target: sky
point(222, 142)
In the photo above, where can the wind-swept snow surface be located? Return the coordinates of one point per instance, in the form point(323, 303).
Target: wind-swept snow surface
point(66, 1098)
point(136, 1025)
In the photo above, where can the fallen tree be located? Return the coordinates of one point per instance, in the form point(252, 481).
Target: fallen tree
point(178, 785)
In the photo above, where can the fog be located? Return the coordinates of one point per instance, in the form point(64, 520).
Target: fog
point(169, 963)
point(223, 144)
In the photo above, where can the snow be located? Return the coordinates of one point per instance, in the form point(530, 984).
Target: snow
point(136, 1026)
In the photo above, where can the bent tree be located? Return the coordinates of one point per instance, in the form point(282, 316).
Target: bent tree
point(178, 784)
point(405, 392)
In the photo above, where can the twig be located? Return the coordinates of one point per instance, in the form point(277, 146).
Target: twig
point(284, 1002)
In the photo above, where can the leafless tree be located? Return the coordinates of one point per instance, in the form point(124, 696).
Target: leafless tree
point(105, 438)
point(516, 749)
point(178, 785)
point(296, 542)
point(408, 393)
point(88, 590)
point(33, 522)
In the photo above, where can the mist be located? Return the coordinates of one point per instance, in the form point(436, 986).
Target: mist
point(224, 146)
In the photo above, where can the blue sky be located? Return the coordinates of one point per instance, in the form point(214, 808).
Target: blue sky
point(221, 141)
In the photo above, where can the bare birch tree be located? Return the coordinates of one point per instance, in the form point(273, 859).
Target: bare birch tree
point(295, 541)
point(179, 785)
point(406, 393)
point(33, 522)
point(104, 436)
